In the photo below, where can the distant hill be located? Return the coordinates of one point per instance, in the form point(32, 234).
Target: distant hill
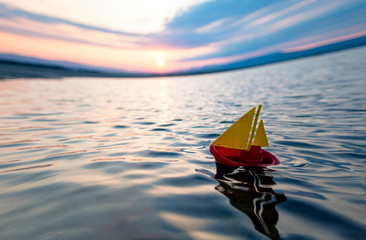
point(14, 58)
point(16, 66)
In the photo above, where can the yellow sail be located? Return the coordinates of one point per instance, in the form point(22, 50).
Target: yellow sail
point(260, 137)
point(237, 135)
point(240, 135)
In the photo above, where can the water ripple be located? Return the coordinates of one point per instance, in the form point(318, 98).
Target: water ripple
point(129, 159)
point(25, 168)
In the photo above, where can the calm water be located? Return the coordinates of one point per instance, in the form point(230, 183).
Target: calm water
point(128, 158)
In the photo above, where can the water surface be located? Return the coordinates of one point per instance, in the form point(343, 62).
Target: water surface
point(88, 158)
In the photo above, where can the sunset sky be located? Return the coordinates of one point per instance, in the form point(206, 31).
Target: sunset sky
point(163, 36)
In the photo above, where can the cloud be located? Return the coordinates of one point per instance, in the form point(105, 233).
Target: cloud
point(240, 27)
point(7, 12)
point(191, 28)
point(275, 15)
point(187, 34)
point(67, 32)
point(138, 16)
point(329, 40)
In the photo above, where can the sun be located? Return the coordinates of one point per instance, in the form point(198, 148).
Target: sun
point(160, 61)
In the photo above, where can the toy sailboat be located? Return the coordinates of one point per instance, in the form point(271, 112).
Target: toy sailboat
point(240, 144)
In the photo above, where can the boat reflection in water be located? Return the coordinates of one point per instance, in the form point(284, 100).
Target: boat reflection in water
point(249, 191)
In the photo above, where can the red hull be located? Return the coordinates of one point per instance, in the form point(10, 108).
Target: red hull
point(256, 157)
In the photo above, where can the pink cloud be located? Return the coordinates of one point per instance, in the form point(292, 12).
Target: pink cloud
point(325, 42)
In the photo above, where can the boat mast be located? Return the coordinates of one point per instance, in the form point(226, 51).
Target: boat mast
point(254, 127)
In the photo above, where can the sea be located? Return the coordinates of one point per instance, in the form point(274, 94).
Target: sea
point(106, 158)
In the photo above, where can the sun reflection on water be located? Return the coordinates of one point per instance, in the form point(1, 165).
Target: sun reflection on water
point(164, 100)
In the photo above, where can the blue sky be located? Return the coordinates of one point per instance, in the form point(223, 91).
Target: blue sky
point(164, 36)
